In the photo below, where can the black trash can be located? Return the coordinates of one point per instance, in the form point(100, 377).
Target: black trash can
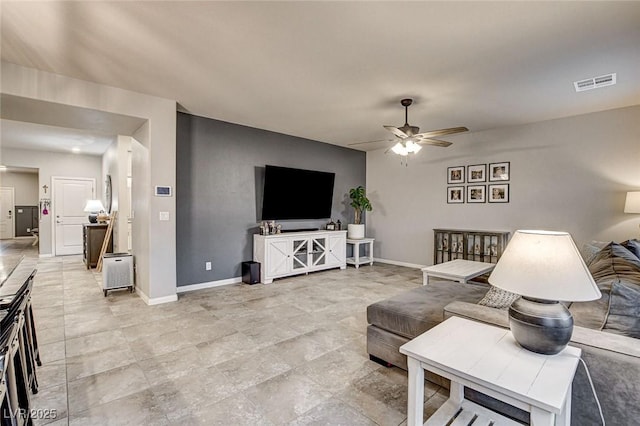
point(251, 272)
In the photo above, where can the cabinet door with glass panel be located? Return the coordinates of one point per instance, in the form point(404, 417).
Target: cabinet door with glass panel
point(300, 254)
point(449, 245)
point(309, 253)
point(318, 251)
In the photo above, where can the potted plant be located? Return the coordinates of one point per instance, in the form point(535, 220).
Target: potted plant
point(360, 203)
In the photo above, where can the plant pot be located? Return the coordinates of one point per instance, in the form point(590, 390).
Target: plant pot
point(355, 231)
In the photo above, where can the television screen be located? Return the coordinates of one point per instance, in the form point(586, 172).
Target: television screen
point(296, 194)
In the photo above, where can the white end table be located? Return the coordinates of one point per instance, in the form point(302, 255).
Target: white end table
point(356, 260)
point(489, 360)
point(457, 270)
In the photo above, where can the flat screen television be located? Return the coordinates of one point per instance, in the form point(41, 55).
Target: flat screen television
point(296, 194)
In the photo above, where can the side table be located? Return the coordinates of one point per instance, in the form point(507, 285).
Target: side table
point(356, 259)
point(489, 360)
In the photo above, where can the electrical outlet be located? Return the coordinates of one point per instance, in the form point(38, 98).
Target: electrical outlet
point(207, 266)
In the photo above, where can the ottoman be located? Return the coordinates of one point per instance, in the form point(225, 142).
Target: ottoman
point(395, 321)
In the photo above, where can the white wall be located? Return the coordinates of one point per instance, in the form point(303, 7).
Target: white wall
point(114, 164)
point(158, 263)
point(53, 164)
point(141, 179)
point(568, 174)
point(25, 184)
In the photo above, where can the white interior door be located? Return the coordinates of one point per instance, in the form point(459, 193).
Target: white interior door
point(7, 210)
point(69, 198)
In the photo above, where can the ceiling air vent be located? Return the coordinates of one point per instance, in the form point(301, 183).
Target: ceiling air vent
point(595, 82)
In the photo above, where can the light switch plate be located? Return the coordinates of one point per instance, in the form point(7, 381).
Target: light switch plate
point(164, 215)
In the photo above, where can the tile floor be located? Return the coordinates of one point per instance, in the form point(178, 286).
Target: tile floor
point(293, 352)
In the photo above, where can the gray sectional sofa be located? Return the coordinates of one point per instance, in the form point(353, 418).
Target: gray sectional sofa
point(607, 331)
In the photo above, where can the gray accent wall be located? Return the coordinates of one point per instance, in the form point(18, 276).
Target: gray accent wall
point(220, 172)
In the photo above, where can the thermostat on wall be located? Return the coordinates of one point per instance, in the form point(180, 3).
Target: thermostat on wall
point(163, 191)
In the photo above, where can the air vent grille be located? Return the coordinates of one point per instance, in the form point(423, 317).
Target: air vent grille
point(595, 82)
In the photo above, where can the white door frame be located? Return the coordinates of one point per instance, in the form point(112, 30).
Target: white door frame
point(52, 213)
point(13, 210)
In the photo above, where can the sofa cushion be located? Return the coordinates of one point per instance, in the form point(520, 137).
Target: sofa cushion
point(498, 298)
point(413, 312)
point(624, 309)
point(612, 263)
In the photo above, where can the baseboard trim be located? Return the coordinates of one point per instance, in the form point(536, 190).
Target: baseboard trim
point(210, 284)
point(398, 263)
point(46, 255)
point(156, 300)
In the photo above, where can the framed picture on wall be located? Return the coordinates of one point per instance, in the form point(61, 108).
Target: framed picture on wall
point(455, 194)
point(499, 193)
point(455, 174)
point(477, 173)
point(499, 171)
point(476, 193)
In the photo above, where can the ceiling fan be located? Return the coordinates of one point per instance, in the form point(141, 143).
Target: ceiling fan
point(408, 138)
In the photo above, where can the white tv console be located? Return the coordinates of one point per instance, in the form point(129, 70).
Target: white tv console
point(282, 255)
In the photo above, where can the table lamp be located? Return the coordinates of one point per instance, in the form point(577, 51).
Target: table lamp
point(93, 207)
point(544, 267)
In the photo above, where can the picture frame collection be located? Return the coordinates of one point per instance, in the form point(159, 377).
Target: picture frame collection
point(468, 183)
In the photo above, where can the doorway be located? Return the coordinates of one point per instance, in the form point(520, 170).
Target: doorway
point(7, 210)
point(69, 196)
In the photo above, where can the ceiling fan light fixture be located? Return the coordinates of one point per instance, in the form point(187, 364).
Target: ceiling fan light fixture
point(408, 138)
point(400, 149)
point(411, 146)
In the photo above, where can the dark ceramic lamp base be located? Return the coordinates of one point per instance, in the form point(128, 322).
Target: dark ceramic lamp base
point(541, 326)
point(93, 218)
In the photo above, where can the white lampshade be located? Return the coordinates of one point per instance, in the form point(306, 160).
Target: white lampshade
point(93, 206)
point(632, 202)
point(544, 265)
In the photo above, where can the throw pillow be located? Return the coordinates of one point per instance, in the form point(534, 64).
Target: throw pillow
point(498, 298)
point(624, 309)
point(599, 244)
point(633, 246)
point(592, 314)
point(612, 263)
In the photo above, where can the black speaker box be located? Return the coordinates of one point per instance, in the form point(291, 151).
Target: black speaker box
point(250, 272)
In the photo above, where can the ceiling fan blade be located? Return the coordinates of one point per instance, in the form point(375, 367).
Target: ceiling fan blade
point(441, 132)
point(399, 133)
point(371, 142)
point(435, 142)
